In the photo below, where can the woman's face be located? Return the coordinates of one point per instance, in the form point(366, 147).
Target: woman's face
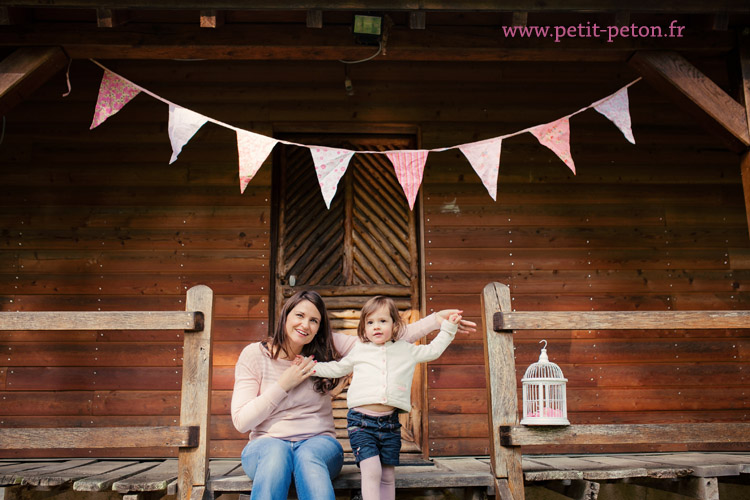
point(302, 325)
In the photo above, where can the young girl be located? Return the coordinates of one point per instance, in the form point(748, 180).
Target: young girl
point(383, 369)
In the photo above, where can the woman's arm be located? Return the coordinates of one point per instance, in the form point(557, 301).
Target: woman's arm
point(344, 343)
point(249, 406)
point(419, 329)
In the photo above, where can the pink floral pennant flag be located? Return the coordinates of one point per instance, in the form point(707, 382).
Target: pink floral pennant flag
point(330, 166)
point(253, 150)
point(617, 109)
point(183, 124)
point(484, 157)
point(409, 166)
point(114, 93)
point(556, 136)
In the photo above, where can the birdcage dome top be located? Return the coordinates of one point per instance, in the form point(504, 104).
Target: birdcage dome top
point(544, 369)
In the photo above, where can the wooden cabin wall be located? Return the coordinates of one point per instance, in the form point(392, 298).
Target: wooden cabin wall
point(99, 220)
point(659, 225)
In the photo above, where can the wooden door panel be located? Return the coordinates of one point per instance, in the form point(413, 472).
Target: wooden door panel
point(365, 245)
point(312, 235)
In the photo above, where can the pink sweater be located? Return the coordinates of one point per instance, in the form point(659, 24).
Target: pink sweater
point(260, 406)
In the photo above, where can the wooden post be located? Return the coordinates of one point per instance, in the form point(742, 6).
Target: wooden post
point(745, 93)
point(502, 397)
point(196, 396)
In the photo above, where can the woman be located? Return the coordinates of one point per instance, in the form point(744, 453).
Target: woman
point(290, 416)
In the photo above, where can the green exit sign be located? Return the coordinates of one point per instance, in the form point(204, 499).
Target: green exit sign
point(367, 25)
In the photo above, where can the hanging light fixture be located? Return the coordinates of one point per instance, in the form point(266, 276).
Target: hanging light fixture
point(368, 29)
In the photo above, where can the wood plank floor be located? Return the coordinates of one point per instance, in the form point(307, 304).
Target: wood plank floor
point(137, 476)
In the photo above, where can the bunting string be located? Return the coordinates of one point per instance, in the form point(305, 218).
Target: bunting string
point(331, 163)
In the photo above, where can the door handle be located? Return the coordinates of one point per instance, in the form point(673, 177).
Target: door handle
point(292, 280)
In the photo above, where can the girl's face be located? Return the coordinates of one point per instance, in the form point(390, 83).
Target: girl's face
point(379, 326)
point(302, 325)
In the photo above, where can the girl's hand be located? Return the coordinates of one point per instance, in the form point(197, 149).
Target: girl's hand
point(454, 318)
point(464, 326)
point(301, 369)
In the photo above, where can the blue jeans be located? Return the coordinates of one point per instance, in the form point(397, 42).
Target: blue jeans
point(374, 436)
point(271, 463)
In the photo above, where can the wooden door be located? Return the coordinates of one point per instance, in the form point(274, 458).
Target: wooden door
point(364, 245)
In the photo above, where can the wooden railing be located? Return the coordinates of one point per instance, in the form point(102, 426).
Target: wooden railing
point(507, 436)
point(191, 436)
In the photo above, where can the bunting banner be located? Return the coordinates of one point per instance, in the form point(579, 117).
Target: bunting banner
point(617, 109)
point(556, 136)
point(253, 150)
point(182, 126)
point(409, 166)
point(114, 93)
point(330, 165)
point(484, 157)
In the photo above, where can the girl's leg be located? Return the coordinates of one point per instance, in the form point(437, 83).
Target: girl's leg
point(268, 462)
point(316, 461)
point(388, 483)
point(371, 471)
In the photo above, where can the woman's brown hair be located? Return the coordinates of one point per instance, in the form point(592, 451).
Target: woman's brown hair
point(321, 346)
point(373, 305)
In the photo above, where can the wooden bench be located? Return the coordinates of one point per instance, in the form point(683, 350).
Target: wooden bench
point(507, 436)
point(191, 436)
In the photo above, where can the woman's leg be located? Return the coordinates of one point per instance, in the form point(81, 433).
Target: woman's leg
point(269, 463)
point(388, 483)
point(371, 472)
point(316, 461)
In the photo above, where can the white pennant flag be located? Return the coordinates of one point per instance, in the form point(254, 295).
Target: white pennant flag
point(617, 109)
point(330, 166)
point(183, 124)
point(484, 157)
point(253, 150)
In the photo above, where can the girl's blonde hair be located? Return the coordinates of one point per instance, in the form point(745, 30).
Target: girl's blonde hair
point(373, 305)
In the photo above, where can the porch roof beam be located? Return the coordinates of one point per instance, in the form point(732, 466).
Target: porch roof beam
point(333, 43)
point(588, 6)
point(25, 70)
point(679, 80)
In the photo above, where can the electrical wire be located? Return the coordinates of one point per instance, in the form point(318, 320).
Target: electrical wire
point(376, 54)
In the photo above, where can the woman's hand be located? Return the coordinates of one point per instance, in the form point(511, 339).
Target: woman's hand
point(301, 369)
point(464, 326)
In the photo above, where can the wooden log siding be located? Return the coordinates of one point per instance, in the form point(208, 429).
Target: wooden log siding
point(98, 220)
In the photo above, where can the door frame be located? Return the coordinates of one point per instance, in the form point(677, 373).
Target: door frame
point(419, 384)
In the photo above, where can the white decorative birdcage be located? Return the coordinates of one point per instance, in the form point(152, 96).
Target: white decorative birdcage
point(544, 401)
